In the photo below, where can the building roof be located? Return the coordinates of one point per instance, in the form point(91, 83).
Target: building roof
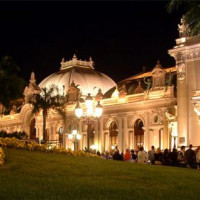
point(83, 74)
point(146, 74)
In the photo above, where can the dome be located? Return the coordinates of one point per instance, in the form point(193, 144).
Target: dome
point(83, 74)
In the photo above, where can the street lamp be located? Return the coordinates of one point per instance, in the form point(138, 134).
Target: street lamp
point(75, 137)
point(92, 111)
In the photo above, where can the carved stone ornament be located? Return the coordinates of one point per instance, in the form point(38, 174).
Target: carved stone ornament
point(73, 92)
point(197, 109)
point(180, 71)
point(122, 91)
point(158, 75)
point(156, 117)
point(183, 28)
point(99, 95)
point(31, 89)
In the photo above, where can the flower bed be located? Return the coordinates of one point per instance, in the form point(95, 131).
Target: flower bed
point(34, 146)
point(2, 156)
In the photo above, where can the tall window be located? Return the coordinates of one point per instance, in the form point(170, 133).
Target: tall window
point(139, 133)
point(91, 133)
point(113, 129)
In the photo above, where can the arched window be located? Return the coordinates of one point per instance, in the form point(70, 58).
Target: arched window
point(139, 133)
point(113, 130)
point(91, 133)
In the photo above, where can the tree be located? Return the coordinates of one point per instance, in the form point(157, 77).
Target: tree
point(49, 98)
point(11, 86)
point(192, 13)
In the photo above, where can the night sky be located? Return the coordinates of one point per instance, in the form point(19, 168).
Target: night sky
point(121, 37)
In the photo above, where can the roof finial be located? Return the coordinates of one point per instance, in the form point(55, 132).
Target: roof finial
point(143, 68)
point(32, 79)
point(183, 28)
point(63, 60)
point(91, 61)
point(74, 57)
point(158, 65)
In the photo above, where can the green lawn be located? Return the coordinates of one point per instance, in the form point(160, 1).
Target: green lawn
point(34, 175)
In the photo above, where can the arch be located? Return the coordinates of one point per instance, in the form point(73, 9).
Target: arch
point(138, 133)
point(113, 133)
point(109, 121)
point(26, 117)
point(134, 119)
point(91, 131)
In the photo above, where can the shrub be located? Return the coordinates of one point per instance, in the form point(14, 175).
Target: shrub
point(34, 146)
point(16, 134)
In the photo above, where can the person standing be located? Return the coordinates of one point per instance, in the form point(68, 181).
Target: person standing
point(198, 158)
point(127, 155)
point(151, 155)
point(190, 157)
point(181, 157)
point(142, 156)
point(134, 156)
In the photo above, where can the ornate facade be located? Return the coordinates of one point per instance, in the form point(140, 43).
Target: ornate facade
point(157, 108)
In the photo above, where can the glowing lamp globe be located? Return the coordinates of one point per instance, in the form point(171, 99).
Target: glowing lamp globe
point(78, 110)
point(78, 136)
point(88, 101)
point(74, 132)
point(90, 111)
point(70, 136)
point(98, 110)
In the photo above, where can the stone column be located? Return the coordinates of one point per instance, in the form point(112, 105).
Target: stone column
point(37, 132)
point(84, 144)
point(101, 132)
point(165, 133)
point(80, 132)
point(125, 133)
point(50, 132)
point(106, 141)
point(120, 136)
point(131, 140)
point(161, 138)
point(55, 132)
point(96, 135)
point(147, 145)
point(40, 132)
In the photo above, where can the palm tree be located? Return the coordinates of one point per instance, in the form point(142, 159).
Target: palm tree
point(49, 98)
point(192, 13)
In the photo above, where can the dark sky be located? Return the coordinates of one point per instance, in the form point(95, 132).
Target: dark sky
point(121, 37)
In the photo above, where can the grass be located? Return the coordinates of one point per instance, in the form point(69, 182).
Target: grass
point(35, 175)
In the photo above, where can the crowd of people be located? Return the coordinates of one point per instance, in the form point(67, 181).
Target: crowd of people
point(184, 158)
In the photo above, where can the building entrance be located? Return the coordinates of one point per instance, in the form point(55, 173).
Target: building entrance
point(138, 134)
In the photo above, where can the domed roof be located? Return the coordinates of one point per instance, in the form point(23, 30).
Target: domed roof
point(83, 74)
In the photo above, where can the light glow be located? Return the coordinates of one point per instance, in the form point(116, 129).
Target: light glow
point(98, 110)
point(93, 147)
point(70, 136)
point(113, 147)
point(74, 132)
point(90, 111)
point(78, 136)
point(88, 101)
point(78, 110)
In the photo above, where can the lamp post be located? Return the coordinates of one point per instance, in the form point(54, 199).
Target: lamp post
point(92, 112)
point(75, 137)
